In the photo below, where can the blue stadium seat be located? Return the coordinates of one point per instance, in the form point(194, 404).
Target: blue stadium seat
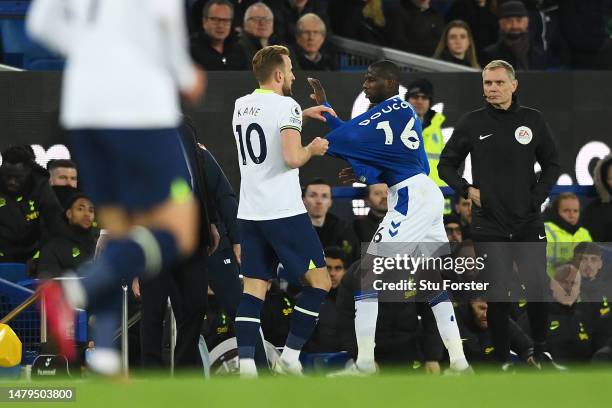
point(20, 51)
point(13, 272)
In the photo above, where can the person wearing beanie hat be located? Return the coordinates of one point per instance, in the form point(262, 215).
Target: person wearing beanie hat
point(420, 96)
point(77, 243)
point(513, 45)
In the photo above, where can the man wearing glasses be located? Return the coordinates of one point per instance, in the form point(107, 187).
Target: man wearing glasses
point(215, 48)
point(257, 30)
point(309, 38)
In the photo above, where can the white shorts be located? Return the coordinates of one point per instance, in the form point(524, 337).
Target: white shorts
point(414, 222)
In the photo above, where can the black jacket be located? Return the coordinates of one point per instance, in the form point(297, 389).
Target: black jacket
point(597, 216)
point(365, 227)
point(337, 232)
point(412, 30)
point(324, 339)
point(326, 63)
point(504, 145)
point(232, 59)
point(26, 221)
point(535, 58)
point(400, 336)
point(67, 251)
point(477, 343)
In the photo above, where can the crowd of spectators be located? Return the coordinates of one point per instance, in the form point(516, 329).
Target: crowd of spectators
point(530, 34)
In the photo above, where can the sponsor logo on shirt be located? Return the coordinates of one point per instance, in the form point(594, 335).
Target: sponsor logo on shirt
point(523, 135)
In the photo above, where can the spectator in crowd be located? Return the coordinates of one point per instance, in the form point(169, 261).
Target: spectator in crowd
point(568, 339)
point(598, 213)
point(376, 199)
point(325, 338)
point(310, 51)
point(215, 48)
point(513, 45)
point(363, 20)
point(545, 32)
point(276, 314)
point(402, 338)
point(564, 231)
point(76, 244)
point(595, 293)
point(583, 25)
point(481, 17)
point(463, 208)
point(257, 30)
point(29, 210)
point(414, 27)
point(452, 225)
point(420, 96)
point(332, 230)
point(62, 173)
point(288, 12)
point(457, 45)
point(474, 328)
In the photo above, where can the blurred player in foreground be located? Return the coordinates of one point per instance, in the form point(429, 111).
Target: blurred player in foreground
point(126, 63)
point(273, 222)
point(385, 145)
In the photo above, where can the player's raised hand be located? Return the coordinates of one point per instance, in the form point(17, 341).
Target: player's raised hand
point(319, 92)
point(318, 146)
point(316, 112)
point(196, 92)
point(347, 176)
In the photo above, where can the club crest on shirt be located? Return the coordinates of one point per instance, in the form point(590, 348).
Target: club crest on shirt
point(523, 135)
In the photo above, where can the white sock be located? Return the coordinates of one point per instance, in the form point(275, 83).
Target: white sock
point(366, 314)
point(449, 332)
point(290, 356)
point(248, 368)
point(105, 361)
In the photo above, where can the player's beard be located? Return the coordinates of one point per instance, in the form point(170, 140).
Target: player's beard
point(287, 89)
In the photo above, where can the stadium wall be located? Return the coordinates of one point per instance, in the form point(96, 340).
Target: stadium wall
point(577, 106)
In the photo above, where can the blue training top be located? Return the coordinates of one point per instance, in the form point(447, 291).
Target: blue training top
point(383, 145)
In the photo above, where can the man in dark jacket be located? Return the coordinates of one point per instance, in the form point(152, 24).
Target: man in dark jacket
point(76, 244)
point(331, 229)
point(505, 140)
point(414, 27)
point(376, 199)
point(215, 48)
point(288, 12)
point(29, 210)
point(312, 54)
point(598, 213)
point(474, 327)
point(257, 31)
point(513, 45)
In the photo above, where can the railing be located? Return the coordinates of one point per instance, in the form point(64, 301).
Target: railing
point(356, 55)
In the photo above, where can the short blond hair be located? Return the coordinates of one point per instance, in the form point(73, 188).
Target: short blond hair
point(267, 60)
point(496, 64)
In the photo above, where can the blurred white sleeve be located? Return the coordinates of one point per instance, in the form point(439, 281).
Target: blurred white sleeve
point(50, 22)
point(171, 15)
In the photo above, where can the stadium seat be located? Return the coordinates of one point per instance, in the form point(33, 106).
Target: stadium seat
point(20, 51)
point(13, 272)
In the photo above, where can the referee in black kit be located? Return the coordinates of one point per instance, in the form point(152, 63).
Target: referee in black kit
point(505, 140)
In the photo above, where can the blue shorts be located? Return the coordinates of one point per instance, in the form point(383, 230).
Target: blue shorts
point(134, 169)
point(292, 241)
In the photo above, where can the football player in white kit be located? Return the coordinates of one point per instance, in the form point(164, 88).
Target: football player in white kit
point(126, 63)
point(274, 225)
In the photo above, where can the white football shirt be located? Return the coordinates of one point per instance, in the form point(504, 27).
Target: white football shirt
point(268, 188)
point(126, 60)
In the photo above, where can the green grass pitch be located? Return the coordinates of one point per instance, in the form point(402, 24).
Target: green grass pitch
point(579, 388)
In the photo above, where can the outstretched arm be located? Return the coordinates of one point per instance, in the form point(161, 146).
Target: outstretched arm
point(320, 98)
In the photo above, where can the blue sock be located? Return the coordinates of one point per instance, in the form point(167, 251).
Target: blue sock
point(142, 251)
point(305, 316)
point(247, 325)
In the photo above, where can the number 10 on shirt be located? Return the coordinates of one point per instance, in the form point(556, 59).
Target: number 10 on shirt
point(263, 150)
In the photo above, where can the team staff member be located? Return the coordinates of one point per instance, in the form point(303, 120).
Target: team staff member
point(505, 139)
